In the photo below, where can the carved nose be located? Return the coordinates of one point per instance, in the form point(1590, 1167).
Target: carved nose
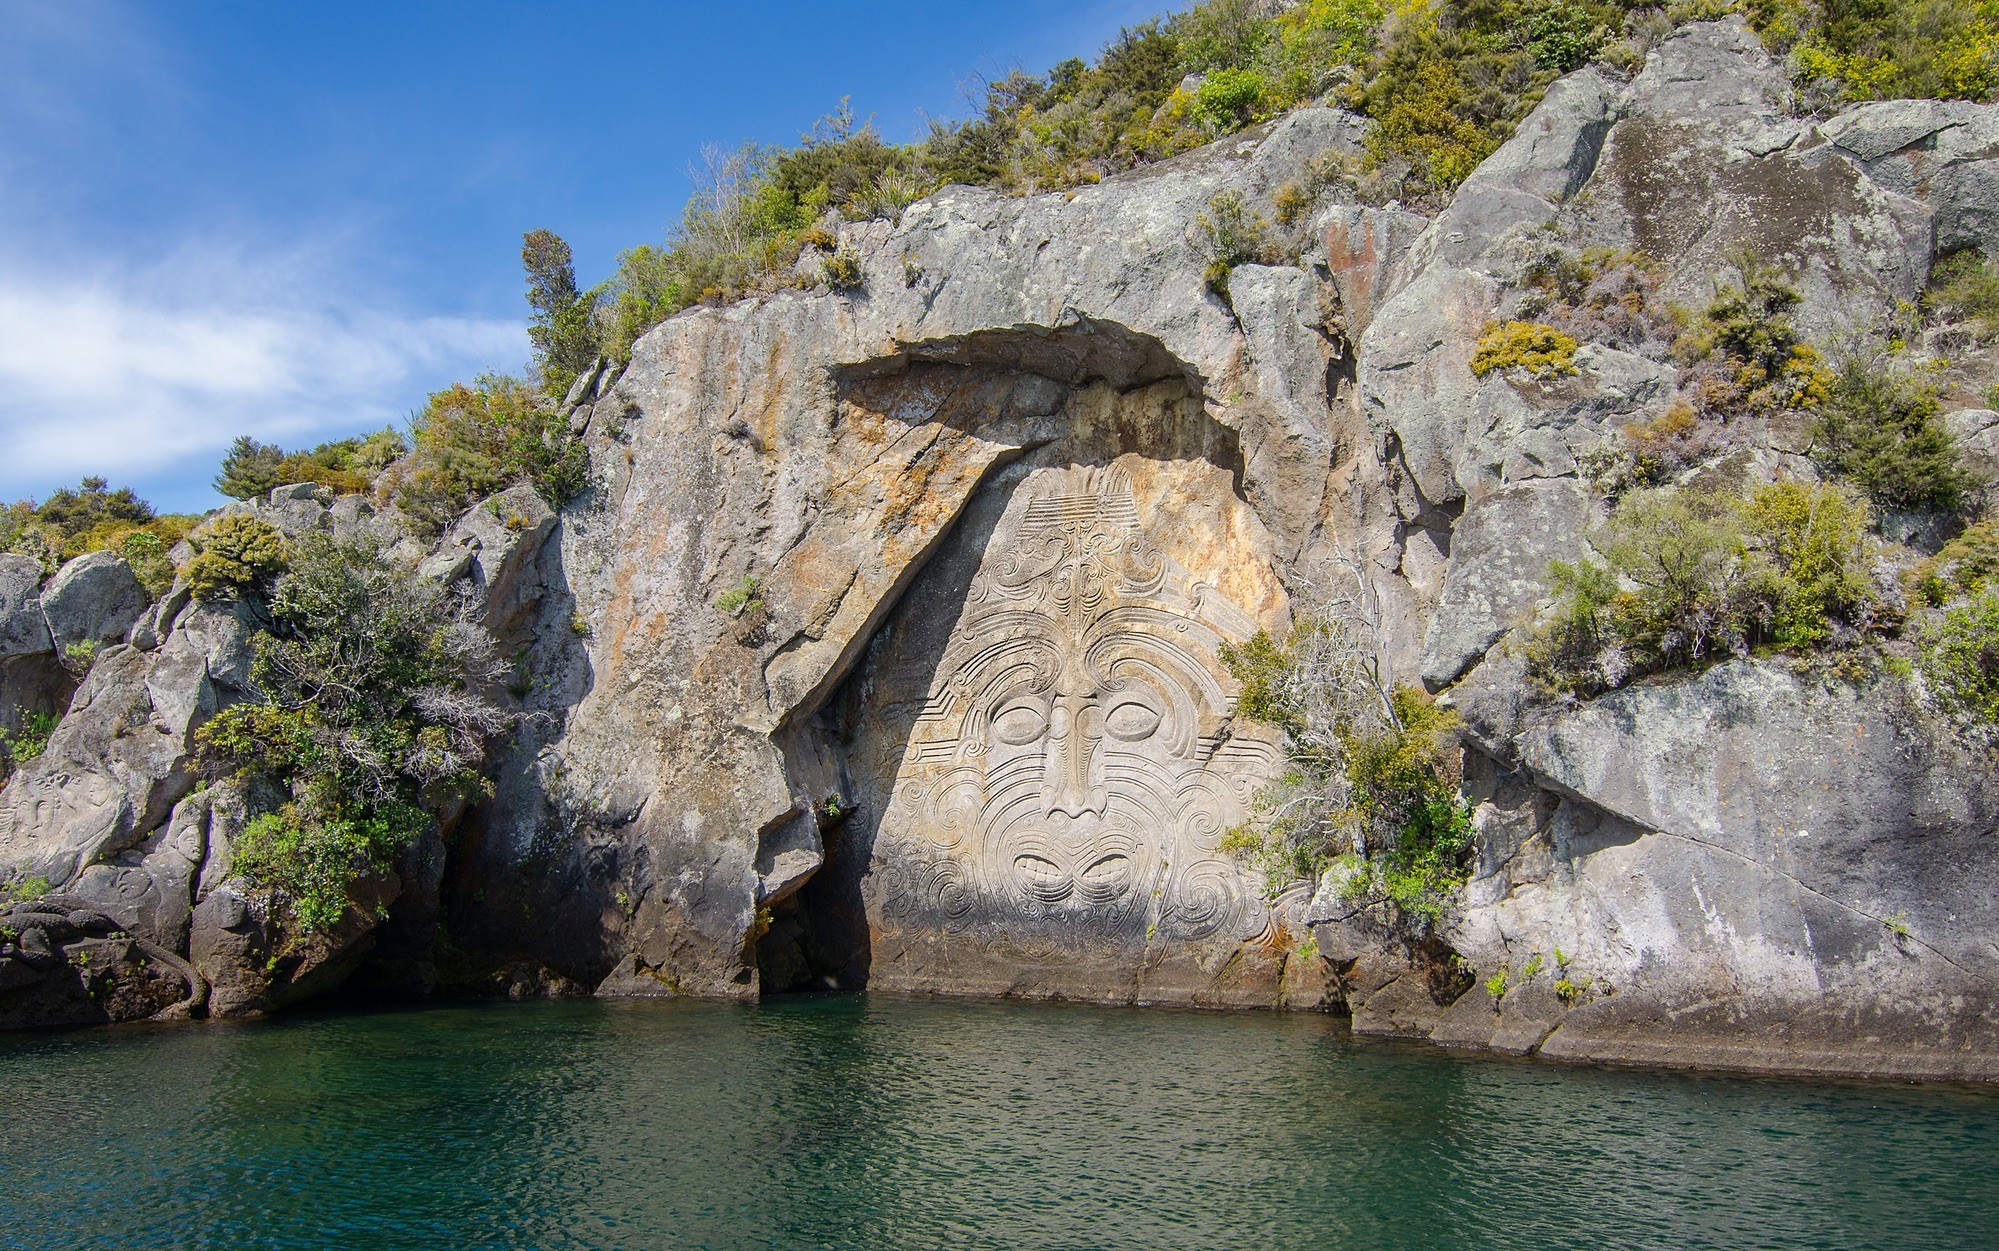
point(1073, 738)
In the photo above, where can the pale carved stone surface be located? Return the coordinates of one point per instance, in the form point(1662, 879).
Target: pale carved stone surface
point(1054, 784)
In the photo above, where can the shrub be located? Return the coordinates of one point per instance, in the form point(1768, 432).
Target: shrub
point(23, 890)
point(740, 598)
point(1966, 565)
point(1600, 296)
point(1564, 35)
point(1228, 99)
point(842, 271)
point(1688, 577)
point(1761, 365)
point(562, 330)
point(371, 717)
point(884, 199)
point(1372, 795)
point(236, 554)
point(249, 469)
point(28, 741)
point(1883, 431)
point(1960, 658)
point(474, 440)
point(146, 553)
point(1813, 572)
point(1229, 234)
point(1668, 443)
point(346, 466)
point(1930, 49)
point(92, 518)
point(1538, 348)
point(1964, 289)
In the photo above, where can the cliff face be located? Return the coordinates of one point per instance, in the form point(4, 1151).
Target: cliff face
point(886, 650)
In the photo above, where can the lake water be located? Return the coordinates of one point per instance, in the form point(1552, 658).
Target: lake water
point(884, 1123)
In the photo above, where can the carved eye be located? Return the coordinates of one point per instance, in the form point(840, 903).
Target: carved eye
point(1131, 720)
point(1019, 723)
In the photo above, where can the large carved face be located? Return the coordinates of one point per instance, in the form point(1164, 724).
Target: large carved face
point(1071, 769)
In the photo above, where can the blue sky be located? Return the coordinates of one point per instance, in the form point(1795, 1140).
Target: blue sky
point(294, 219)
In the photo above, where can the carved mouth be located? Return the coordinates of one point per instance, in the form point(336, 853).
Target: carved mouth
point(1102, 880)
point(1089, 871)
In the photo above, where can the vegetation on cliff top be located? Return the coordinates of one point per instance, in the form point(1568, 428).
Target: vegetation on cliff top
point(1440, 85)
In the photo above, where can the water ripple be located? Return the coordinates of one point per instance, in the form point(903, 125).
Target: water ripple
point(882, 1123)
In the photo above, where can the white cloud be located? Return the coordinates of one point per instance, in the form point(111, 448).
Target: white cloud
point(130, 373)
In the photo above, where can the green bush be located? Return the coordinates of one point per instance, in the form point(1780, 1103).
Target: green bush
point(1228, 99)
point(1229, 234)
point(472, 441)
point(23, 890)
point(842, 271)
point(1964, 290)
point(91, 517)
point(1960, 658)
point(236, 554)
point(1564, 35)
point(1966, 565)
point(740, 598)
point(371, 718)
point(1415, 827)
point(1883, 430)
point(146, 553)
point(563, 328)
point(1843, 50)
point(1746, 355)
point(1540, 349)
point(30, 740)
point(251, 469)
point(1688, 577)
point(1813, 560)
point(1372, 794)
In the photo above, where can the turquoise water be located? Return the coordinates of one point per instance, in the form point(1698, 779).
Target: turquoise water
point(883, 1123)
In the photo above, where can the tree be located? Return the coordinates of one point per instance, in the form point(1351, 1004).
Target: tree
point(250, 469)
point(1883, 431)
point(564, 337)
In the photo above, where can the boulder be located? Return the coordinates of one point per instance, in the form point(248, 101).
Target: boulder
point(1944, 153)
point(93, 599)
point(1500, 553)
point(24, 631)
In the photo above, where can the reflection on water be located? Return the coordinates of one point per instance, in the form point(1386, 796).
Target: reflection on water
point(871, 1122)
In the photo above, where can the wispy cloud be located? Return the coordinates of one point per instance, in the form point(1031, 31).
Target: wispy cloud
point(136, 373)
point(120, 360)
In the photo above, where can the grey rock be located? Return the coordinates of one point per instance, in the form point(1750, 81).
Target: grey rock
point(792, 667)
point(1500, 553)
point(1942, 152)
point(92, 599)
point(496, 544)
point(24, 631)
point(1364, 251)
point(110, 775)
point(149, 889)
point(1751, 845)
point(1717, 72)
